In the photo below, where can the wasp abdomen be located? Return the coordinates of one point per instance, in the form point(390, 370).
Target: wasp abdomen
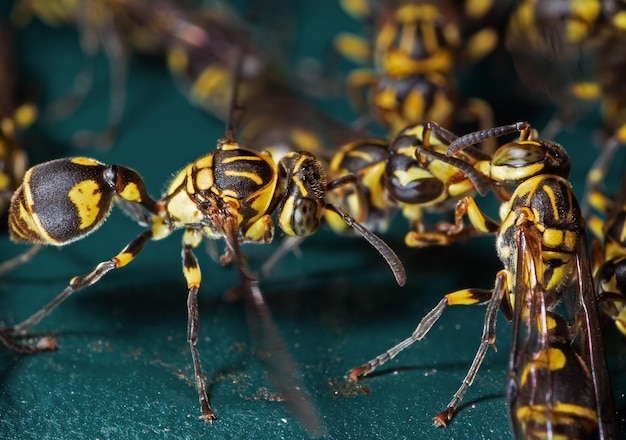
point(61, 201)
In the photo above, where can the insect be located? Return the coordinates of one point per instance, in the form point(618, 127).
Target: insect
point(541, 241)
point(575, 56)
point(410, 173)
point(16, 114)
point(230, 194)
point(122, 28)
point(414, 53)
point(609, 252)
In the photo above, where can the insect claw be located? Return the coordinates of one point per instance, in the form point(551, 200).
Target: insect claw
point(442, 419)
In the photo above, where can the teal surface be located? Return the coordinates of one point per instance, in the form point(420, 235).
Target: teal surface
point(123, 369)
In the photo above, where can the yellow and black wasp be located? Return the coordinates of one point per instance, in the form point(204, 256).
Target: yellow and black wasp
point(573, 53)
point(229, 193)
point(107, 26)
point(609, 252)
point(410, 173)
point(557, 382)
point(175, 29)
point(16, 114)
point(416, 48)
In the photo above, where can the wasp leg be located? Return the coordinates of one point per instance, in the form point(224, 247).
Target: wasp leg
point(66, 105)
point(599, 169)
point(357, 82)
point(191, 270)
point(18, 260)
point(488, 338)
point(447, 234)
point(77, 283)
point(261, 231)
point(45, 343)
point(353, 47)
point(460, 297)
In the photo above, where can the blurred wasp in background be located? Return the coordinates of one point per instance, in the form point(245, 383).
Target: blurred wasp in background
point(557, 383)
point(16, 113)
point(608, 226)
point(198, 42)
point(574, 53)
point(230, 193)
point(416, 49)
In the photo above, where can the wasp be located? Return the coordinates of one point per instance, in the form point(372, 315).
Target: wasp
point(572, 53)
point(230, 193)
point(15, 114)
point(101, 25)
point(414, 53)
point(609, 252)
point(165, 28)
point(409, 174)
point(557, 382)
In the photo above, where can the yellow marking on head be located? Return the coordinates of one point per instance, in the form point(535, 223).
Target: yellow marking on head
point(85, 196)
point(284, 219)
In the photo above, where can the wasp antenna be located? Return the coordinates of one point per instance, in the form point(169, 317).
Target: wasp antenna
point(229, 136)
point(483, 135)
point(383, 248)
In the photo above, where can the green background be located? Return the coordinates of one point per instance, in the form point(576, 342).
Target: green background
point(123, 368)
